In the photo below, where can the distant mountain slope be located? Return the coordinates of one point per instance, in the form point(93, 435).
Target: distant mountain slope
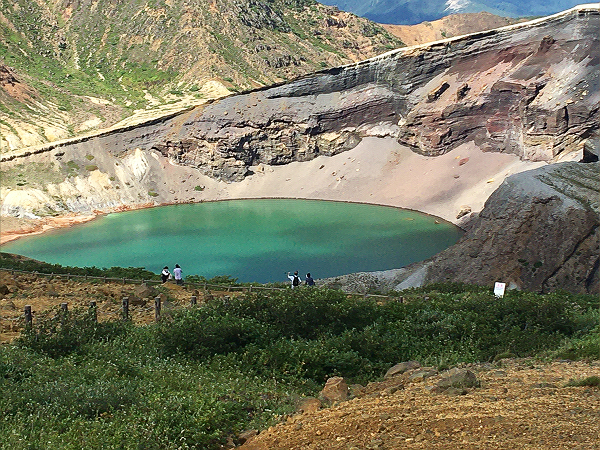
point(410, 12)
point(67, 66)
point(449, 26)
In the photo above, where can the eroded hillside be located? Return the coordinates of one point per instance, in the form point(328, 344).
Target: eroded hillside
point(69, 66)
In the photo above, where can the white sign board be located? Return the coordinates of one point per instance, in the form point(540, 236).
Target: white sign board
point(499, 289)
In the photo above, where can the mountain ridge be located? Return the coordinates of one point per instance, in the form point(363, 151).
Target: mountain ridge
point(410, 12)
point(87, 65)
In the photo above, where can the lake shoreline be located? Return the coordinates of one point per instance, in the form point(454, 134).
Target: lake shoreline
point(379, 171)
point(250, 240)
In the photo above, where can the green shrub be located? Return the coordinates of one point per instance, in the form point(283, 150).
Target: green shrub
point(199, 335)
point(9, 261)
point(210, 372)
point(58, 333)
point(589, 381)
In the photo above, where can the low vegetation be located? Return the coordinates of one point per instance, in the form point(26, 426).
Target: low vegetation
point(237, 363)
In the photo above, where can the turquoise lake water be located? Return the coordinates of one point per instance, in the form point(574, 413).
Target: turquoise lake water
point(251, 240)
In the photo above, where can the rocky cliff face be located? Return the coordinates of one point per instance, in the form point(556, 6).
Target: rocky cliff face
point(531, 90)
point(539, 231)
point(92, 63)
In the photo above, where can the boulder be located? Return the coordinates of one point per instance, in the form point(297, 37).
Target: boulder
point(458, 378)
point(335, 390)
point(308, 405)
point(402, 367)
point(134, 300)
point(245, 436)
point(421, 375)
point(144, 291)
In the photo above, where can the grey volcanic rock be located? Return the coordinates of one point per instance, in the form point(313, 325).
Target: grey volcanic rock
point(538, 231)
point(532, 90)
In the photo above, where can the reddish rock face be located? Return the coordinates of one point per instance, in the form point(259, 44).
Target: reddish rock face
point(531, 90)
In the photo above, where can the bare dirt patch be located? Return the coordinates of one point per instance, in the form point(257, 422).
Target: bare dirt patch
point(43, 293)
point(520, 404)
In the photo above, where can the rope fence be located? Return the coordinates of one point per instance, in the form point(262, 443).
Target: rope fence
point(205, 287)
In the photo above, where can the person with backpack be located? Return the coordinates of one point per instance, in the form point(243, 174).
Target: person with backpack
point(165, 275)
point(295, 279)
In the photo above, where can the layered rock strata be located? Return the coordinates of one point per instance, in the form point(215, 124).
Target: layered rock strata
point(531, 90)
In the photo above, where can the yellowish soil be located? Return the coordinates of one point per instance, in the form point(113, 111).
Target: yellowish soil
point(520, 405)
point(43, 294)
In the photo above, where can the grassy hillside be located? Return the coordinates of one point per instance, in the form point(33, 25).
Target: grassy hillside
point(67, 66)
point(213, 371)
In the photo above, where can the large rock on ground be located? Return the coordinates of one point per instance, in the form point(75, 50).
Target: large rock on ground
point(335, 390)
point(402, 367)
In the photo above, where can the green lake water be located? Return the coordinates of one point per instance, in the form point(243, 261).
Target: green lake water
point(252, 240)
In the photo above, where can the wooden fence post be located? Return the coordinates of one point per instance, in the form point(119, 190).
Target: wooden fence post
point(157, 309)
point(28, 316)
point(94, 311)
point(125, 308)
point(194, 301)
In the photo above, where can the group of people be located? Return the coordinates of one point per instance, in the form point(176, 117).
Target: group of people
point(165, 275)
point(295, 279)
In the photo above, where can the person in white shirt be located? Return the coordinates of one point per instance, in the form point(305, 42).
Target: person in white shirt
point(178, 273)
point(295, 279)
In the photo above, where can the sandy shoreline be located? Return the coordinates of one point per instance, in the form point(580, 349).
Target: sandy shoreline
point(377, 171)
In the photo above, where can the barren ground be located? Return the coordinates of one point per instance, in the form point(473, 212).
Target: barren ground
point(43, 293)
point(521, 404)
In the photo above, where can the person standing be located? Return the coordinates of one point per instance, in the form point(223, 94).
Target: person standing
point(295, 279)
point(178, 274)
point(309, 280)
point(165, 275)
